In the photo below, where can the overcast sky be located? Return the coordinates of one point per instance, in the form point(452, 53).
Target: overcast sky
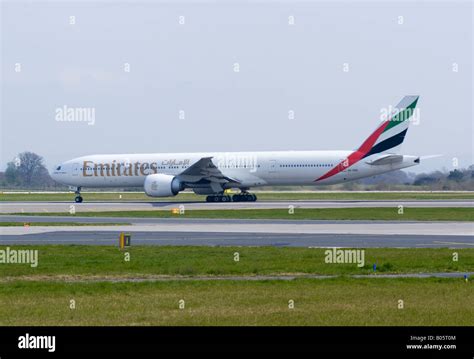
point(312, 76)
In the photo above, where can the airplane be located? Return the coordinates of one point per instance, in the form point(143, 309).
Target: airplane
point(212, 174)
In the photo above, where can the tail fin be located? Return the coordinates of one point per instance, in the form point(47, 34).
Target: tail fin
point(386, 138)
point(389, 136)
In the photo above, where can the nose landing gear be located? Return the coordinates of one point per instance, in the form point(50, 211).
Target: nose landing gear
point(78, 198)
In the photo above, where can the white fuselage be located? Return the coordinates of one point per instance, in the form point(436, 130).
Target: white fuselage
point(249, 169)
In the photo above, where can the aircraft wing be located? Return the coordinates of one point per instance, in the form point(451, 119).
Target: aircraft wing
point(204, 169)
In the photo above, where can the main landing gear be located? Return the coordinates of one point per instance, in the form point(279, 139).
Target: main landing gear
point(218, 198)
point(78, 198)
point(244, 197)
point(240, 197)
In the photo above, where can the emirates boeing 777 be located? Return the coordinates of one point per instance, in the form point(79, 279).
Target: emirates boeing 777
point(211, 174)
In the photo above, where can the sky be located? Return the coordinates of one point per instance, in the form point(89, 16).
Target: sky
point(203, 76)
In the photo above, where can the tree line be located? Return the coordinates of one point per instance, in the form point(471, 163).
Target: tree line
point(27, 171)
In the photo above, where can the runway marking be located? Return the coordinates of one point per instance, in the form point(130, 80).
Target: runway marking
point(457, 243)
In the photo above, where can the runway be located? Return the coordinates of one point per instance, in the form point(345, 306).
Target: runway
point(241, 239)
point(38, 206)
point(228, 232)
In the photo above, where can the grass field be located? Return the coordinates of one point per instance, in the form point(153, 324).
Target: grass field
point(339, 301)
point(88, 275)
point(48, 224)
point(186, 196)
point(83, 260)
point(369, 213)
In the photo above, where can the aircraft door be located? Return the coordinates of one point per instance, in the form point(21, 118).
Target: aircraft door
point(273, 167)
point(75, 169)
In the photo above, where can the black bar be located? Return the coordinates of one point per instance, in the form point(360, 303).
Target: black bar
point(82, 340)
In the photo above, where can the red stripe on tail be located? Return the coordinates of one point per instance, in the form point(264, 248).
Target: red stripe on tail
point(356, 156)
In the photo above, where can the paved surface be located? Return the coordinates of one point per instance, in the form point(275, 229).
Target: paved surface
point(203, 226)
point(18, 207)
point(223, 221)
point(242, 232)
point(110, 237)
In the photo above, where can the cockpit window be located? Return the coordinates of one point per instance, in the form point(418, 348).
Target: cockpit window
point(58, 168)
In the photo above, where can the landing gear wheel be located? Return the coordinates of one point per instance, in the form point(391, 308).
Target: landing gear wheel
point(218, 198)
point(244, 197)
point(78, 198)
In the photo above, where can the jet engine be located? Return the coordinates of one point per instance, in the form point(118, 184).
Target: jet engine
point(161, 185)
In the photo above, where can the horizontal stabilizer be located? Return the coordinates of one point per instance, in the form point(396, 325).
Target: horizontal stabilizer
point(386, 160)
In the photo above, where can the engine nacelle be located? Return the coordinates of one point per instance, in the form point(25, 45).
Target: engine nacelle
point(160, 185)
